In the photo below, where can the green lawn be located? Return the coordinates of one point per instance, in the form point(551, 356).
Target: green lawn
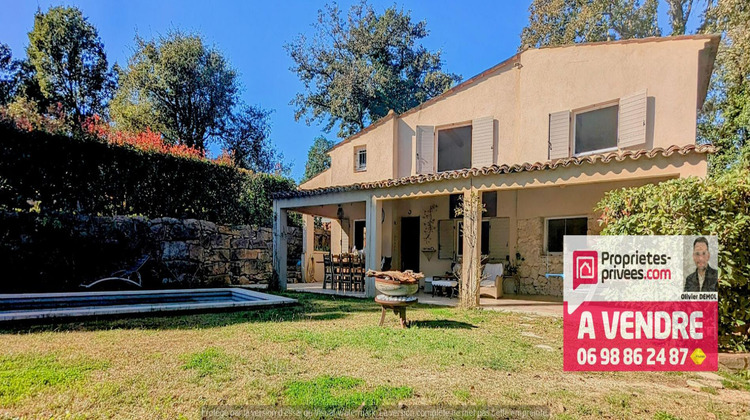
point(328, 353)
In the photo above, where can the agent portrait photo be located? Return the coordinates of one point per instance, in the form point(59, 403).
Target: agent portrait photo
point(705, 277)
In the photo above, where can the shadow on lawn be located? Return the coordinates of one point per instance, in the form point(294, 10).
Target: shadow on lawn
point(310, 308)
point(443, 323)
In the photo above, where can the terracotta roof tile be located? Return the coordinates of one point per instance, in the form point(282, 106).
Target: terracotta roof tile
point(618, 156)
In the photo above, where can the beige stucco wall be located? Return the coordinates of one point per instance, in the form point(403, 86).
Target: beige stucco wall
point(521, 93)
point(352, 212)
point(569, 78)
point(321, 180)
point(380, 156)
point(494, 96)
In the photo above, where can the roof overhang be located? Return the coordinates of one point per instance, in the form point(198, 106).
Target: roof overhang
point(602, 164)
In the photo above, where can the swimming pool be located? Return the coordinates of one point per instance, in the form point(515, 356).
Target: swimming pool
point(49, 306)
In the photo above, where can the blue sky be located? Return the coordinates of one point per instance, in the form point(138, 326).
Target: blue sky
point(473, 36)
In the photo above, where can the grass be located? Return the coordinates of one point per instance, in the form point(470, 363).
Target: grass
point(207, 362)
point(336, 394)
point(663, 415)
point(328, 353)
point(25, 375)
point(738, 380)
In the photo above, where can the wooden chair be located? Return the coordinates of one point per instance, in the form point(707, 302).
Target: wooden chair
point(358, 273)
point(327, 270)
point(346, 273)
point(336, 272)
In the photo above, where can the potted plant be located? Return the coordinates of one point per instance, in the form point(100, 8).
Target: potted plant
point(512, 272)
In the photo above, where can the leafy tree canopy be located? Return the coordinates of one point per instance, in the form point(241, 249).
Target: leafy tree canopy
point(69, 63)
point(178, 86)
point(7, 73)
point(248, 138)
point(725, 120)
point(679, 13)
point(356, 68)
point(561, 22)
point(317, 158)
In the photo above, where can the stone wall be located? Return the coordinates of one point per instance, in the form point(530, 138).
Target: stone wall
point(209, 254)
point(59, 252)
point(537, 263)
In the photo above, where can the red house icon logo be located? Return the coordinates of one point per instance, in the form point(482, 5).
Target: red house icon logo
point(585, 268)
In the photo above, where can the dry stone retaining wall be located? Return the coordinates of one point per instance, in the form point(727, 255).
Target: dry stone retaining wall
point(59, 252)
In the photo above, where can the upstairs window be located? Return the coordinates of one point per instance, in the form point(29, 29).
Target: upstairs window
point(616, 124)
point(360, 159)
point(454, 148)
point(595, 130)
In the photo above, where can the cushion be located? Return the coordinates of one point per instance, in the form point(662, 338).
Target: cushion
point(445, 283)
point(492, 270)
point(487, 283)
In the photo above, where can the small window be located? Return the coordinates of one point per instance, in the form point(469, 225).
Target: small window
point(557, 228)
point(595, 130)
point(360, 160)
point(454, 148)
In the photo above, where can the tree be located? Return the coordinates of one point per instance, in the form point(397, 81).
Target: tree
point(562, 22)
point(69, 63)
point(725, 118)
point(679, 13)
point(356, 69)
point(8, 69)
point(178, 86)
point(248, 139)
point(317, 158)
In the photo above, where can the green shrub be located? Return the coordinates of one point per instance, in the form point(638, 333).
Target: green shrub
point(88, 176)
point(691, 206)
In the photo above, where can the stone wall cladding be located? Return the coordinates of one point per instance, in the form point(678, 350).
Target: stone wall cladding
point(537, 263)
point(183, 253)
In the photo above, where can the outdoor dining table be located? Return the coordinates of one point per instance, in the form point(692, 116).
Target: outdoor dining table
point(448, 284)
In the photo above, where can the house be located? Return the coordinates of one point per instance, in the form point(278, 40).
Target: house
point(539, 139)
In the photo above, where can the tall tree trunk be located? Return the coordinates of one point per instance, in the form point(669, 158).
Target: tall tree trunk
point(470, 269)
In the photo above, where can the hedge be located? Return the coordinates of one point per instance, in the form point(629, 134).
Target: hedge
point(692, 206)
point(83, 175)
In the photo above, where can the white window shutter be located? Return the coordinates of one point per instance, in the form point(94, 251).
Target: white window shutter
point(446, 239)
point(425, 149)
point(559, 135)
point(482, 139)
point(631, 121)
point(499, 238)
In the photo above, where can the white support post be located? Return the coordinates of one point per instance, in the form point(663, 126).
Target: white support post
point(308, 246)
point(373, 228)
point(280, 245)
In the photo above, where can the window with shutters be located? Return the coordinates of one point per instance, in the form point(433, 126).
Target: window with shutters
point(446, 242)
point(595, 129)
point(454, 148)
point(360, 159)
point(556, 228)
